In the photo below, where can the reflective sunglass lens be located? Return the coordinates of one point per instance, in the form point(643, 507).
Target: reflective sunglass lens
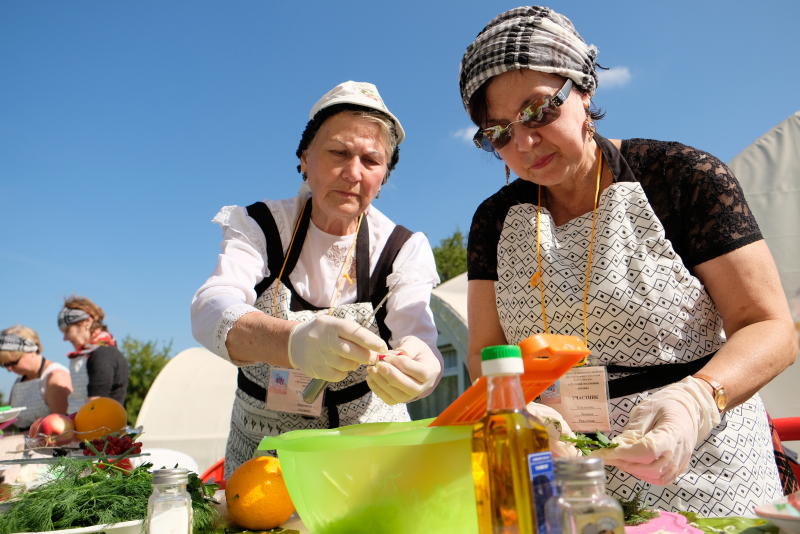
point(483, 141)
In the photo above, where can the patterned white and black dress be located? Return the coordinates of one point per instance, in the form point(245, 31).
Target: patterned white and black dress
point(650, 319)
point(345, 403)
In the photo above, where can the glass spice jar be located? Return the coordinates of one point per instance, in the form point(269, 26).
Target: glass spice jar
point(582, 505)
point(169, 508)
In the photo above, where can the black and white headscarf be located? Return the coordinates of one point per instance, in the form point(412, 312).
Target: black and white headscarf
point(68, 316)
point(528, 37)
point(15, 343)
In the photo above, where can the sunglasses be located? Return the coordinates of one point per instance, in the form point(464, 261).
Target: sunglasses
point(540, 112)
point(9, 365)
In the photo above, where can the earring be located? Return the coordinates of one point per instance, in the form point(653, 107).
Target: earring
point(508, 174)
point(589, 123)
point(590, 127)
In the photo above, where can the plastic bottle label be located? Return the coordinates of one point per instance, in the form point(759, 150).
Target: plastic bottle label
point(542, 473)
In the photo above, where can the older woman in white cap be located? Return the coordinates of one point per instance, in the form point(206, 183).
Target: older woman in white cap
point(321, 286)
point(645, 249)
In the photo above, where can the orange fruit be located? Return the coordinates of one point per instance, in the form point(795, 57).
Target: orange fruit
point(100, 417)
point(257, 496)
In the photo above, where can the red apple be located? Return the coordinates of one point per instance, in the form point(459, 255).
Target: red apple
point(59, 428)
point(33, 431)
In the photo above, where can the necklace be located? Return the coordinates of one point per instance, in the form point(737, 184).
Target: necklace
point(536, 279)
point(340, 278)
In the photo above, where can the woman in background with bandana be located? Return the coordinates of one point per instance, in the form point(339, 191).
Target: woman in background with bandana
point(44, 386)
point(645, 249)
point(98, 368)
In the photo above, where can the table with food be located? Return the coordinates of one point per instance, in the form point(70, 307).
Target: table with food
point(485, 464)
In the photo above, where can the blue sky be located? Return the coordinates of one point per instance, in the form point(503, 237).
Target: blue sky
point(124, 126)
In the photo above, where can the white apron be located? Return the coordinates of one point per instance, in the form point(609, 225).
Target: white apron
point(644, 308)
point(250, 419)
point(30, 394)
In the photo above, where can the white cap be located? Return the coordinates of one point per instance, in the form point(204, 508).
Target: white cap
point(502, 360)
point(358, 93)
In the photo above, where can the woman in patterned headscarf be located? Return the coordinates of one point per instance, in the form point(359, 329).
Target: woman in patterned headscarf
point(98, 368)
point(43, 386)
point(645, 249)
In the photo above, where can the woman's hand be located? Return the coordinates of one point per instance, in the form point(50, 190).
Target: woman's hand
point(556, 426)
point(328, 347)
point(409, 372)
point(663, 431)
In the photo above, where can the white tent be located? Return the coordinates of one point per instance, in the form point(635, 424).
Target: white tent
point(449, 306)
point(769, 171)
point(188, 407)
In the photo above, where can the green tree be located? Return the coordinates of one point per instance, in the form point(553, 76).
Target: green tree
point(145, 361)
point(451, 256)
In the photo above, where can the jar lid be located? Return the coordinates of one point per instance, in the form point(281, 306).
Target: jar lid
point(577, 468)
point(502, 360)
point(171, 476)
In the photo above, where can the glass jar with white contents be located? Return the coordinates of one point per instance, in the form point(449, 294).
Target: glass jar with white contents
point(582, 505)
point(169, 508)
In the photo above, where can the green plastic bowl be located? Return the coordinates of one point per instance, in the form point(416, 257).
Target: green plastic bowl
point(380, 478)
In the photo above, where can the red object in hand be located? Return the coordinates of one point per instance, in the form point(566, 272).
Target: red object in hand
point(398, 352)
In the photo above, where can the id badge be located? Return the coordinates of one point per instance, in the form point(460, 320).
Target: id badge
point(285, 392)
point(581, 397)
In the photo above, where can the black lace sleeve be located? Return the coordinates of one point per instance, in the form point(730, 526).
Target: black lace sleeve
point(696, 197)
point(484, 234)
point(487, 223)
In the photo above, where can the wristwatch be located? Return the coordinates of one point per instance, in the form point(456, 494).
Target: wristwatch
point(720, 395)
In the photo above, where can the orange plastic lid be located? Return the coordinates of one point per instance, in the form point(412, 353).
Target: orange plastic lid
point(546, 357)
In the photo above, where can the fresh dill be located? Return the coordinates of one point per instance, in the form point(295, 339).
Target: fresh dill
point(635, 512)
point(81, 493)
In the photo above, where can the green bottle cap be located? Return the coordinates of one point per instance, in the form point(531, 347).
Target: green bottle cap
point(502, 360)
point(494, 352)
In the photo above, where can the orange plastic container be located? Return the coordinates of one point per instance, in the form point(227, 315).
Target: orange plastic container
point(546, 357)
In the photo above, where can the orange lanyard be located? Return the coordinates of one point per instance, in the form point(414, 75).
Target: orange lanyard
point(343, 271)
point(536, 279)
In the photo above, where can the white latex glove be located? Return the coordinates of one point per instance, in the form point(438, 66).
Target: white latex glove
point(328, 347)
point(555, 425)
point(408, 372)
point(663, 431)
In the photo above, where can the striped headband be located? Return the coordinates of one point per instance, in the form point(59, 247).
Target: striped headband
point(68, 316)
point(15, 343)
point(528, 37)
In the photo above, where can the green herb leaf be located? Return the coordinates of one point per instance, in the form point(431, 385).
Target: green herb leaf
point(635, 513)
point(586, 445)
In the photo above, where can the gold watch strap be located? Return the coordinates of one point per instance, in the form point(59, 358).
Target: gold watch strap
point(720, 396)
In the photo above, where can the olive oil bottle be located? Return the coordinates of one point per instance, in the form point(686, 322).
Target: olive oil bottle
point(512, 466)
